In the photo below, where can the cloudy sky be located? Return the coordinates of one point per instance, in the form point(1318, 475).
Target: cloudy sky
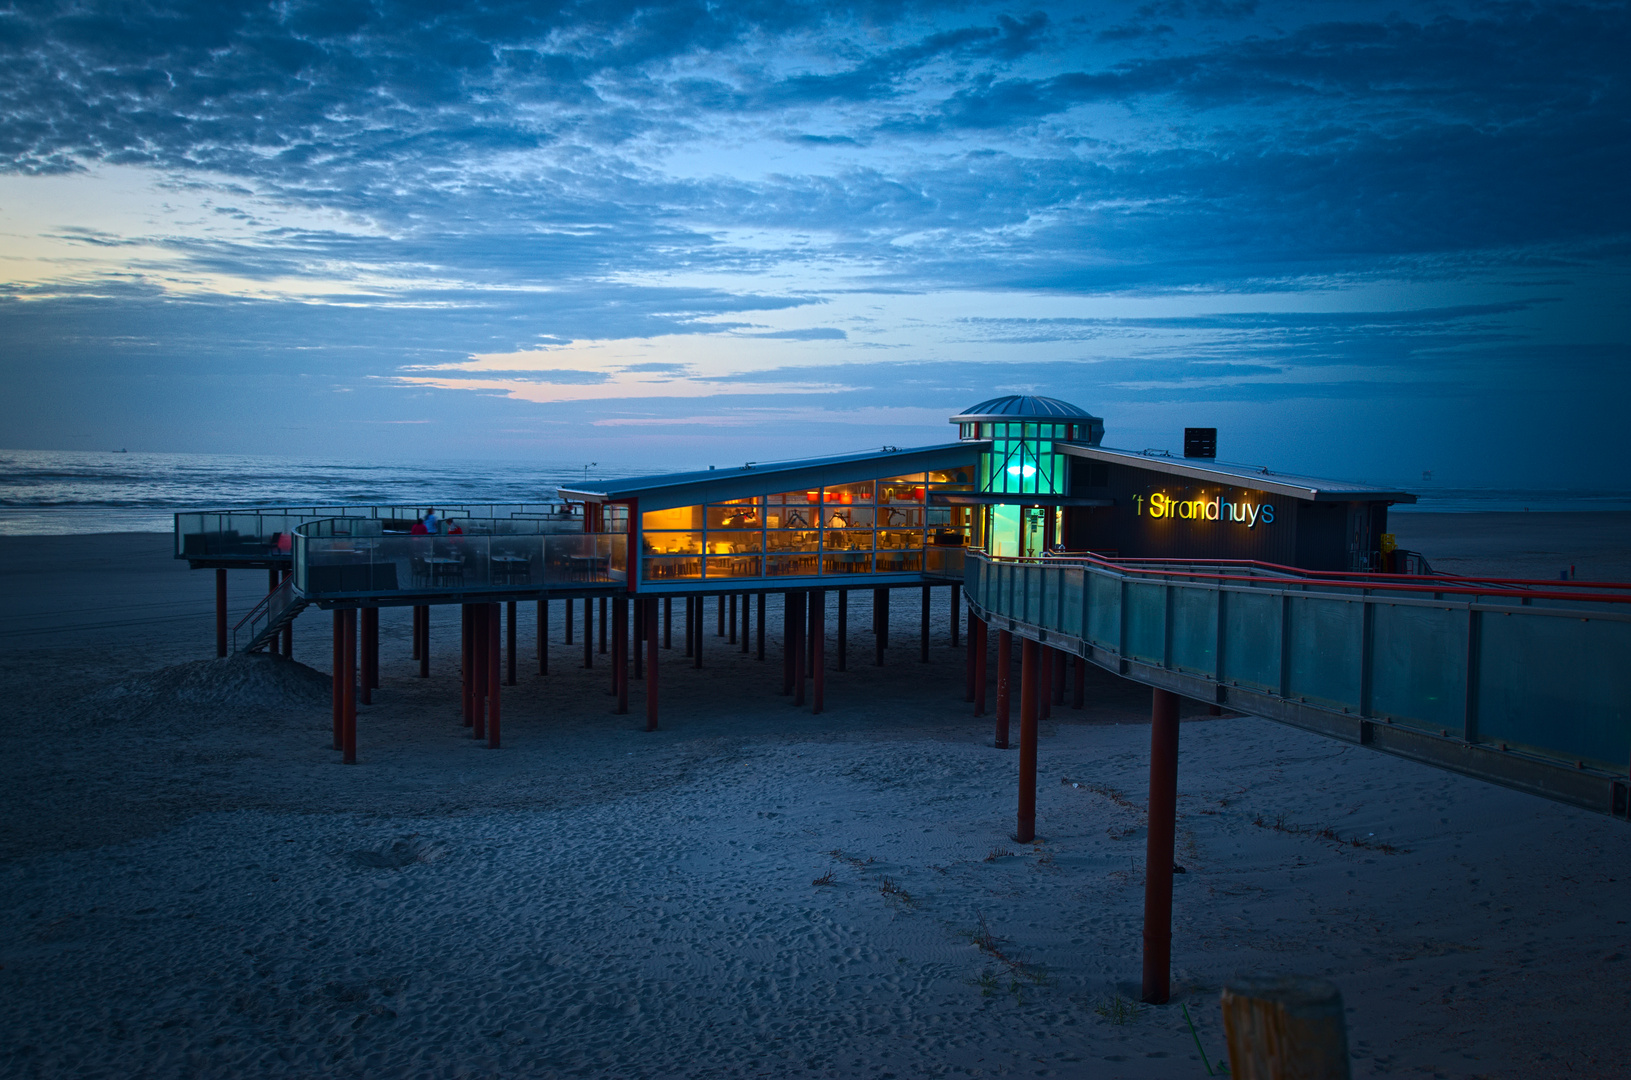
point(1366, 239)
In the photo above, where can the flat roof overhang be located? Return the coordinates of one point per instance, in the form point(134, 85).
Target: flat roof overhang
point(1298, 487)
point(982, 498)
point(663, 492)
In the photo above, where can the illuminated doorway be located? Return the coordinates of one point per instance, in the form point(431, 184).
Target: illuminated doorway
point(1005, 531)
point(1035, 538)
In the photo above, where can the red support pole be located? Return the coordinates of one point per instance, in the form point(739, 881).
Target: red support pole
point(567, 620)
point(413, 644)
point(509, 642)
point(1044, 681)
point(969, 661)
point(694, 635)
point(1029, 665)
point(365, 667)
point(220, 613)
point(479, 667)
point(424, 641)
point(349, 727)
point(492, 672)
point(651, 666)
point(637, 635)
point(1079, 692)
point(1005, 666)
point(1163, 823)
point(880, 625)
point(818, 635)
point(543, 636)
point(760, 633)
point(923, 649)
point(338, 668)
point(796, 631)
point(977, 633)
point(288, 631)
point(588, 633)
point(620, 644)
point(721, 631)
point(467, 664)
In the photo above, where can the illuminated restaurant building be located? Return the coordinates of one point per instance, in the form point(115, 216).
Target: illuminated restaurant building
point(1027, 475)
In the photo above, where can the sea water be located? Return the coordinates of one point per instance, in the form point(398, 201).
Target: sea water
point(58, 492)
point(72, 491)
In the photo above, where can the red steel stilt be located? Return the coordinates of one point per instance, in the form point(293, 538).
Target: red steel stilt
point(1005, 666)
point(1029, 665)
point(365, 665)
point(880, 625)
point(977, 635)
point(543, 636)
point(637, 635)
point(651, 666)
point(349, 725)
point(424, 642)
point(721, 631)
point(220, 613)
point(620, 644)
point(509, 642)
point(818, 639)
point(1044, 681)
point(492, 672)
point(969, 661)
point(1163, 821)
point(588, 633)
point(923, 647)
point(796, 632)
point(288, 631)
point(566, 621)
point(467, 657)
point(694, 635)
point(339, 678)
point(479, 668)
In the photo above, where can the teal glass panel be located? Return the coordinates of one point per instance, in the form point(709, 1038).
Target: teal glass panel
point(1194, 629)
point(1032, 611)
point(1327, 638)
point(1070, 601)
point(1146, 622)
point(1004, 539)
point(1251, 640)
point(1419, 665)
point(1557, 684)
point(1103, 610)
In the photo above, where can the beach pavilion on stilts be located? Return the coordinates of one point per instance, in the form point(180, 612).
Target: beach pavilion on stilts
point(1234, 586)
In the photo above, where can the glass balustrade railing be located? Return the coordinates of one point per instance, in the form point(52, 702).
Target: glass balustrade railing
point(357, 557)
point(261, 533)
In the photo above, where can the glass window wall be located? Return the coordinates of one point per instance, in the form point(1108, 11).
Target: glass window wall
point(845, 529)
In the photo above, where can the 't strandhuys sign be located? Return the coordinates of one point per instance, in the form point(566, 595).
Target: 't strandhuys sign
point(1216, 508)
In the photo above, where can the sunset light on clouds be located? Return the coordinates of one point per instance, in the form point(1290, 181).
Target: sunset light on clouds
point(1359, 238)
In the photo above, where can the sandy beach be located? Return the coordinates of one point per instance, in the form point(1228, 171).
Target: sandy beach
point(191, 884)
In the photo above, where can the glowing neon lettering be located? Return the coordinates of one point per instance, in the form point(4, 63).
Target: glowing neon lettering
point(1214, 509)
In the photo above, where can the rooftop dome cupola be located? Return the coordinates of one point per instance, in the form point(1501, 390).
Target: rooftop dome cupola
point(1066, 422)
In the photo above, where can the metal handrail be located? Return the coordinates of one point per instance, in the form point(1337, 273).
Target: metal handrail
point(1380, 582)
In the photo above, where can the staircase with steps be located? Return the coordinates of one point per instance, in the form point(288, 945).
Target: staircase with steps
point(261, 626)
